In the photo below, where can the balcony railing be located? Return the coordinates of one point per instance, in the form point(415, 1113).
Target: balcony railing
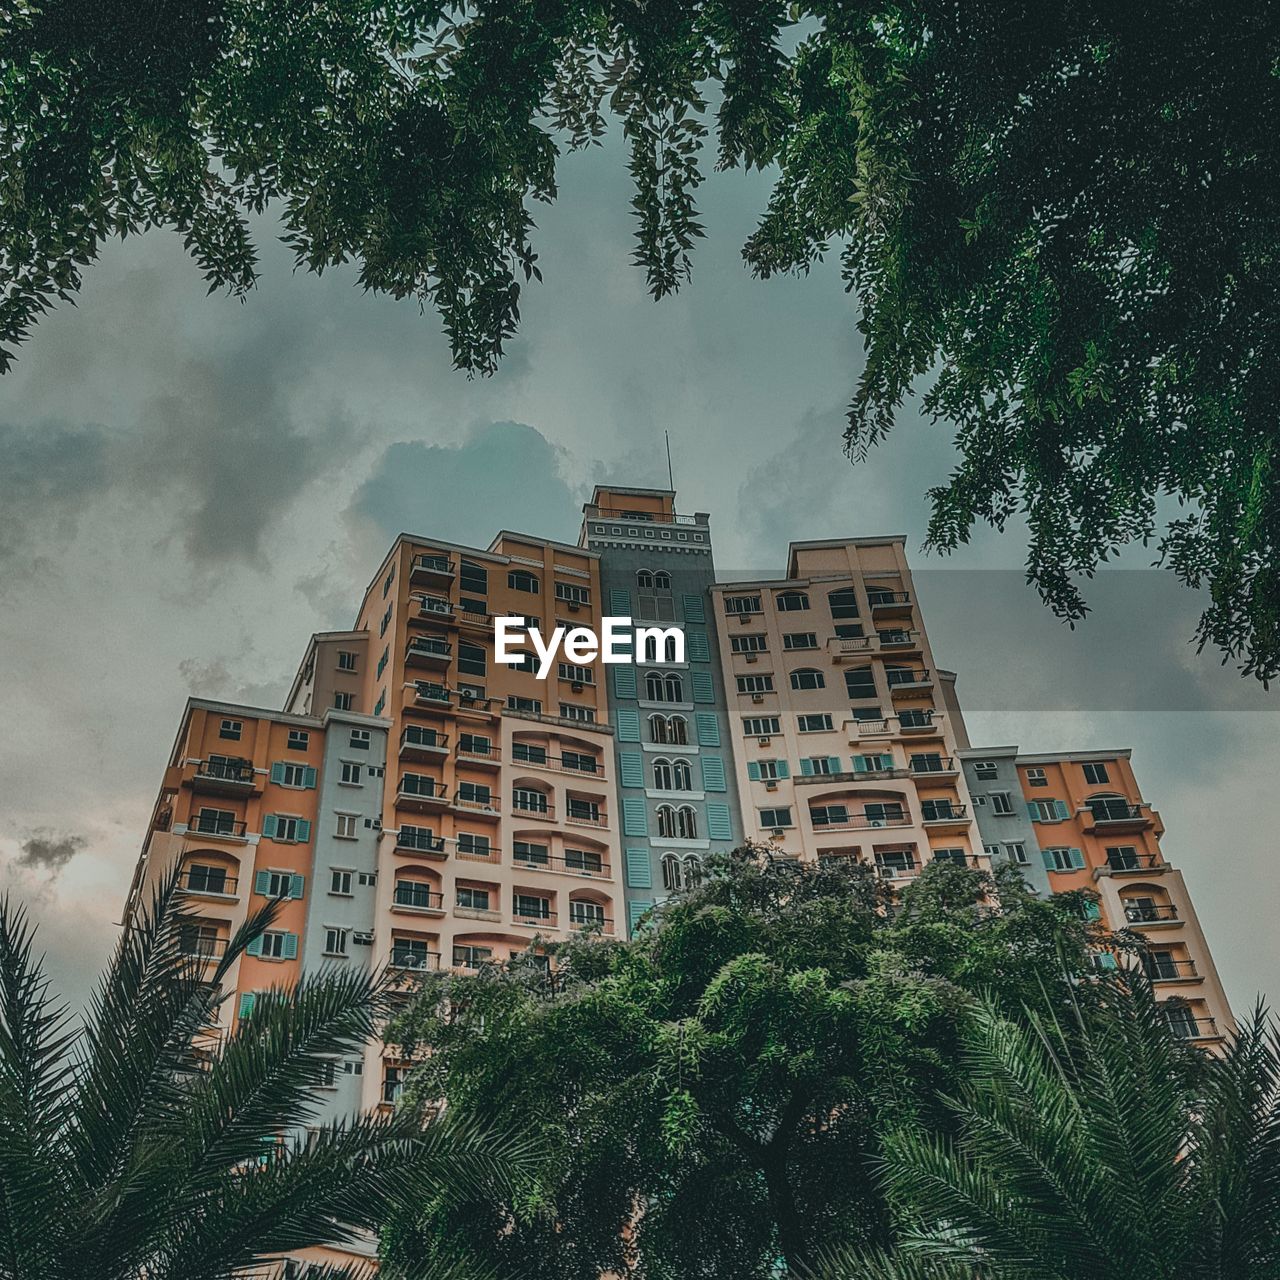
point(202, 825)
point(434, 653)
point(405, 958)
point(417, 899)
point(859, 822)
point(431, 567)
point(426, 692)
point(416, 789)
point(603, 923)
point(1192, 1028)
point(944, 813)
point(585, 818)
point(1167, 969)
point(417, 740)
point(529, 809)
point(898, 639)
point(1140, 913)
point(555, 862)
point(473, 754)
point(922, 769)
point(545, 919)
point(1121, 862)
point(900, 679)
point(1115, 813)
point(888, 599)
point(485, 806)
point(215, 886)
point(557, 764)
point(225, 771)
point(201, 948)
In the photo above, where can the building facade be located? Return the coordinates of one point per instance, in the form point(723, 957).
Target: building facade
point(676, 784)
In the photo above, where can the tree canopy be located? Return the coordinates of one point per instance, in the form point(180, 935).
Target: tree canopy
point(712, 1097)
point(1059, 223)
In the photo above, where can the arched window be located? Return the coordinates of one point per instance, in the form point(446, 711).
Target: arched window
point(687, 822)
point(807, 678)
point(666, 821)
point(644, 579)
point(692, 871)
point(662, 686)
point(681, 776)
point(678, 731)
point(653, 686)
point(658, 728)
point(651, 653)
point(844, 603)
point(662, 580)
point(792, 601)
point(674, 687)
point(671, 878)
point(662, 774)
point(522, 580)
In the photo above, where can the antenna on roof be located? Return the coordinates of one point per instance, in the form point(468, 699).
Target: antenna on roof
point(671, 483)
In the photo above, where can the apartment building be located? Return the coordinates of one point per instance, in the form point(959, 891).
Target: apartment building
point(845, 732)
point(1092, 829)
point(676, 784)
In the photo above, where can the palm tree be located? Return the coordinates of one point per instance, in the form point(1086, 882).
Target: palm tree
point(1103, 1150)
point(127, 1153)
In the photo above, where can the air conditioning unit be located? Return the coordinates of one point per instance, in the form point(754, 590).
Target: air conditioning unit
point(757, 697)
point(573, 608)
point(770, 785)
point(876, 822)
point(576, 686)
point(764, 742)
point(752, 657)
point(779, 831)
point(744, 618)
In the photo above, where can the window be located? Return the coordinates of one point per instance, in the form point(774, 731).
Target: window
point(807, 678)
point(471, 659)
point(346, 826)
point(475, 793)
point(772, 819)
point(531, 907)
point(216, 822)
point(277, 884)
point(672, 868)
point(335, 942)
point(529, 800)
point(1182, 1022)
point(577, 807)
point(292, 775)
point(880, 813)
point(1095, 771)
point(473, 578)
point(205, 879)
point(677, 823)
point(1036, 778)
point(1016, 851)
point(360, 739)
point(828, 815)
point(927, 762)
point(1044, 810)
point(386, 583)
point(353, 1067)
point(849, 630)
point(792, 601)
point(475, 846)
point(231, 729)
point(895, 862)
point(938, 810)
point(748, 644)
point(392, 1083)
point(815, 723)
point(474, 744)
point(916, 719)
point(528, 752)
point(528, 851)
point(516, 703)
point(410, 953)
point(467, 956)
point(866, 713)
point(584, 911)
point(1059, 859)
point(340, 883)
point(522, 580)
point(1001, 802)
point(663, 686)
point(578, 675)
point(343, 701)
point(672, 775)
point(275, 944)
point(289, 829)
point(579, 762)
point(761, 726)
point(469, 897)
point(367, 878)
point(1123, 858)
point(755, 684)
point(571, 711)
point(957, 856)
point(844, 603)
point(860, 682)
point(771, 770)
point(350, 773)
point(346, 660)
point(800, 640)
point(820, 764)
point(741, 604)
point(299, 739)
point(385, 623)
point(583, 860)
point(986, 769)
point(673, 730)
point(571, 593)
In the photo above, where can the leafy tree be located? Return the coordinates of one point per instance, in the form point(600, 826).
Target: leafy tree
point(712, 1094)
point(1059, 222)
point(1094, 1150)
point(125, 1153)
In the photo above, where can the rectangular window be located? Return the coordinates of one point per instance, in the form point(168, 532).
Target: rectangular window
point(529, 753)
point(528, 851)
point(287, 829)
point(346, 660)
point(571, 711)
point(367, 878)
point(934, 810)
point(472, 660)
point(1095, 771)
point(340, 883)
point(528, 800)
point(792, 601)
point(1036, 778)
point(579, 762)
point(583, 860)
point(516, 703)
point(807, 678)
point(844, 603)
point(761, 726)
point(351, 773)
point(345, 828)
point(820, 764)
point(1059, 859)
point(385, 623)
point(343, 701)
point(299, 739)
point(274, 944)
point(475, 744)
point(1044, 810)
point(472, 899)
point(585, 809)
point(470, 957)
point(1123, 858)
point(530, 907)
point(293, 775)
point(473, 578)
point(360, 739)
point(741, 604)
point(769, 770)
point(828, 815)
point(818, 723)
point(755, 684)
point(1001, 802)
point(748, 644)
point(986, 769)
point(476, 845)
point(1017, 852)
point(522, 580)
point(231, 729)
point(571, 593)
point(335, 942)
point(800, 640)
point(578, 675)
point(772, 819)
point(215, 822)
point(386, 584)
point(860, 682)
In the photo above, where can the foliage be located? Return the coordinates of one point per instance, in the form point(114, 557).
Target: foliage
point(712, 1094)
point(1098, 1150)
point(1059, 222)
point(125, 1152)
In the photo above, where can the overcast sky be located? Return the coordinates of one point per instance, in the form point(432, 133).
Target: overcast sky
point(191, 485)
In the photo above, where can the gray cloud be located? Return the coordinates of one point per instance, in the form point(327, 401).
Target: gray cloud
point(217, 678)
point(44, 850)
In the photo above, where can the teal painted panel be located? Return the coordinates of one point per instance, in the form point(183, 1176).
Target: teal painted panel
point(713, 773)
point(620, 603)
point(635, 817)
point(719, 825)
point(694, 611)
point(627, 722)
point(708, 728)
point(703, 688)
point(631, 768)
point(697, 647)
point(638, 871)
point(624, 681)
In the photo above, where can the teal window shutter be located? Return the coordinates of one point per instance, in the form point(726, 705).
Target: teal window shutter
point(1106, 960)
point(708, 728)
point(1077, 858)
point(309, 776)
point(639, 873)
point(784, 769)
point(627, 720)
point(247, 1001)
point(254, 948)
point(806, 767)
point(624, 681)
point(713, 773)
point(697, 648)
point(304, 831)
point(269, 826)
point(261, 881)
point(833, 764)
point(635, 817)
point(290, 946)
point(296, 888)
point(631, 768)
point(635, 910)
point(860, 764)
point(719, 826)
point(1050, 862)
point(620, 603)
point(1060, 809)
point(277, 771)
point(1032, 812)
point(753, 770)
point(693, 609)
point(703, 688)
point(1092, 911)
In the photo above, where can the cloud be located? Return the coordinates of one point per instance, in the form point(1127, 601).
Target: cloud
point(43, 850)
point(215, 678)
point(503, 475)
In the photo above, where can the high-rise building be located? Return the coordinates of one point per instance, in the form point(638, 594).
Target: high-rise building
point(676, 782)
point(1077, 820)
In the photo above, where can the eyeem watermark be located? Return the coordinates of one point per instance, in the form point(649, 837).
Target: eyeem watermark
point(618, 642)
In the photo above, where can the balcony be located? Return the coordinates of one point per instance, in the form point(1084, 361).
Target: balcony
point(839, 647)
point(1110, 817)
point(208, 827)
point(592, 868)
point(858, 821)
point(417, 743)
point(1138, 914)
point(432, 609)
point(224, 778)
point(423, 651)
point(431, 569)
point(478, 807)
point(921, 724)
point(202, 947)
point(480, 757)
point(888, 603)
point(1195, 1028)
point(603, 923)
point(414, 960)
point(209, 882)
point(419, 792)
point(429, 694)
point(534, 919)
point(898, 639)
point(897, 870)
point(901, 681)
point(417, 901)
point(468, 618)
point(940, 815)
point(941, 767)
point(584, 817)
point(529, 809)
point(1129, 862)
point(573, 764)
point(411, 839)
point(1161, 968)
